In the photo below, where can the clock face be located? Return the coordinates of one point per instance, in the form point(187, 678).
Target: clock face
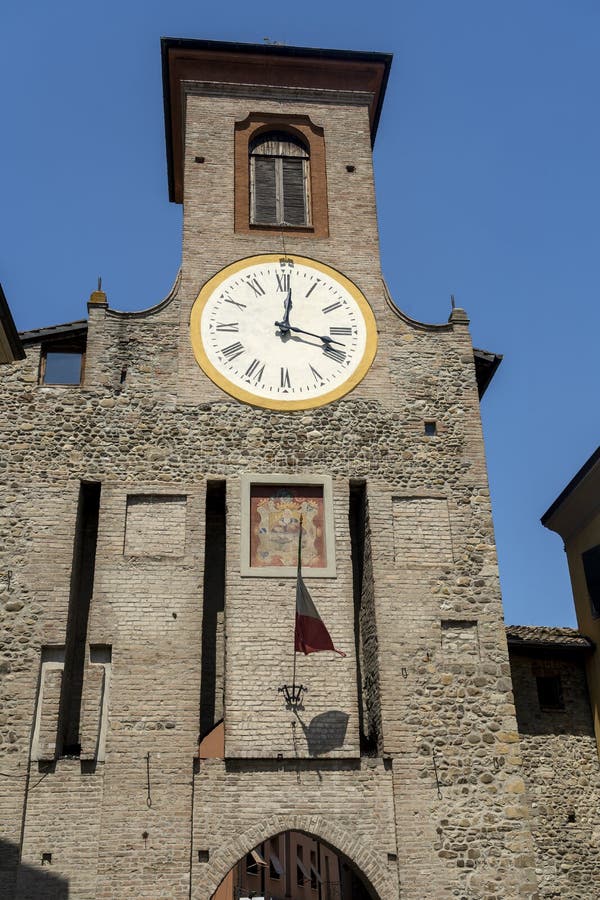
point(283, 332)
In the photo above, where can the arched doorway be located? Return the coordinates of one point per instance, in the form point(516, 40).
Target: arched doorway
point(295, 865)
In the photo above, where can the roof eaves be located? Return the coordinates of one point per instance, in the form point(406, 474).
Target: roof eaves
point(53, 331)
point(275, 50)
point(574, 482)
point(8, 327)
point(486, 364)
point(547, 638)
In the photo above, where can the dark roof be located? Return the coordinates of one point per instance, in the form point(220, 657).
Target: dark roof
point(542, 636)
point(275, 49)
point(38, 334)
point(486, 364)
point(10, 345)
point(574, 482)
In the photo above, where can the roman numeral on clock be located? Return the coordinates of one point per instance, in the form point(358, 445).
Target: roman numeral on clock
point(285, 379)
point(253, 370)
point(233, 351)
point(331, 307)
point(317, 375)
point(311, 289)
point(283, 281)
point(340, 329)
point(228, 299)
point(334, 353)
point(256, 287)
point(228, 326)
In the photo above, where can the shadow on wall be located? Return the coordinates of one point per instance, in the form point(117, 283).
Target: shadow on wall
point(325, 732)
point(29, 882)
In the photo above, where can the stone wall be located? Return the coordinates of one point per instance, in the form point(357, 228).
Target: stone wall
point(560, 763)
point(138, 442)
point(335, 801)
point(135, 822)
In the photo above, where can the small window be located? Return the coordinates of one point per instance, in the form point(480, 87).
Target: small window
point(430, 428)
point(61, 367)
point(279, 178)
point(591, 567)
point(549, 690)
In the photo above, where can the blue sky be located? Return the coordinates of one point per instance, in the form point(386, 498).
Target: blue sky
point(488, 186)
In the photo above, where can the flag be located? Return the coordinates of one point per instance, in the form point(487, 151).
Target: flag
point(311, 634)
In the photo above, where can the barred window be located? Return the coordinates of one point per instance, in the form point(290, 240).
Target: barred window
point(279, 179)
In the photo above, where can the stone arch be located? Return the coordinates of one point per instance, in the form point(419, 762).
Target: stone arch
point(378, 881)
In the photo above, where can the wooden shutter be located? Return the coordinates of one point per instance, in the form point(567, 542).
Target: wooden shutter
point(264, 190)
point(591, 567)
point(294, 193)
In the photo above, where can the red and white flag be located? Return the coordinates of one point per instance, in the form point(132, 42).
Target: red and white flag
point(311, 634)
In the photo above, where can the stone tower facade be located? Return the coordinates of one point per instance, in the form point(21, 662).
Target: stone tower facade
point(145, 638)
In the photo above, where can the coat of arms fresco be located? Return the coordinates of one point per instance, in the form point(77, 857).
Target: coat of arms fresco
point(275, 524)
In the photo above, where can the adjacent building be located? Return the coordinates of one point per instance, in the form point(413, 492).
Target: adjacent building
point(575, 516)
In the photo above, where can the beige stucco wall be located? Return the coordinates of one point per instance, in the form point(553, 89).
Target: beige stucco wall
point(588, 536)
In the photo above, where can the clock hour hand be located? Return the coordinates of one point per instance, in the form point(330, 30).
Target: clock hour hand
point(321, 337)
point(284, 325)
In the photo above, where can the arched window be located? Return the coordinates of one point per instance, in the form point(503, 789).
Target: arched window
point(279, 180)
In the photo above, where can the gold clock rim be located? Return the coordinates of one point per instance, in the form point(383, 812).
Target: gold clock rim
point(272, 403)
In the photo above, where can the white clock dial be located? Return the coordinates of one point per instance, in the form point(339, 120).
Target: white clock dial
point(283, 332)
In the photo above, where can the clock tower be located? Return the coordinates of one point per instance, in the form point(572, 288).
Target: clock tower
point(315, 389)
point(277, 403)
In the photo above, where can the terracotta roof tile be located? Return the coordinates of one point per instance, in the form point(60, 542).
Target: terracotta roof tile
point(542, 635)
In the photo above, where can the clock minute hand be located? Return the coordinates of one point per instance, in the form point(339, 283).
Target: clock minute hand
point(321, 337)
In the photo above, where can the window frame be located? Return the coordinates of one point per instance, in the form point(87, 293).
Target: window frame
point(279, 179)
point(312, 136)
point(277, 480)
point(73, 347)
